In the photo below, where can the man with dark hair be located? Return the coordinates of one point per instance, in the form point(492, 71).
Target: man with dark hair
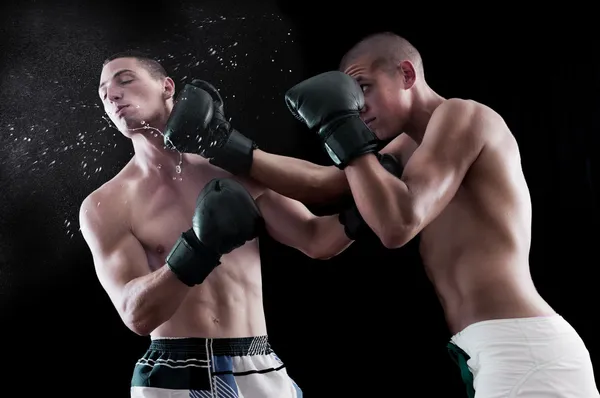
point(174, 244)
point(461, 188)
point(152, 66)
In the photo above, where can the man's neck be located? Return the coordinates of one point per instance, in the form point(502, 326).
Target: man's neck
point(150, 151)
point(425, 103)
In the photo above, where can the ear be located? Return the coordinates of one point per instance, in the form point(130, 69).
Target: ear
point(168, 88)
point(408, 73)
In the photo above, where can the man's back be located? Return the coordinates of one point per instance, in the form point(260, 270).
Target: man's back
point(476, 251)
point(147, 211)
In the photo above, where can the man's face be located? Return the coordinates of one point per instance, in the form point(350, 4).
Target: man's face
point(387, 105)
point(131, 97)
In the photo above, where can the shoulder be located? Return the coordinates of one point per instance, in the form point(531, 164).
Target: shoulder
point(464, 116)
point(462, 120)
point(91, 204)
point(101, 210)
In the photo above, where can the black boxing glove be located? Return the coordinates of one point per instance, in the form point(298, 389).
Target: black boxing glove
point(230, 150)
point(355, 226)
point(331, 103)
point(189, 120)
point(198, 125)
point(226, 217)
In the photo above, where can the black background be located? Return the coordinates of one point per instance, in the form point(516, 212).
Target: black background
point(372, 328)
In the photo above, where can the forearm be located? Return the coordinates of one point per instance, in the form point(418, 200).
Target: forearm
point(151, 300)
point(328, 238)
point(382, 199)
point(298, 179)
point(289, 222)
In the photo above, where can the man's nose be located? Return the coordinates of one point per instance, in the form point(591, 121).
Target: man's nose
point(114, 93)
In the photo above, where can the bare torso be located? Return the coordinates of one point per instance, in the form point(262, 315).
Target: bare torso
point(158, 208)
point(476, 252)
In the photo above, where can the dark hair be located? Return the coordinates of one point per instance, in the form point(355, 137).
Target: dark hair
point(154, 68)
point(386, 50)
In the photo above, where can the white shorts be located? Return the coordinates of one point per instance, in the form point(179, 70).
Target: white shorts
point(537, 357)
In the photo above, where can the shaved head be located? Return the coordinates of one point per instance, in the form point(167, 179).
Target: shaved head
point(385, 50)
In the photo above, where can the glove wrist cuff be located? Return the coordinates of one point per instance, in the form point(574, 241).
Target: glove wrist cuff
point(190, 260)
point(236, 154)
point(349, 138)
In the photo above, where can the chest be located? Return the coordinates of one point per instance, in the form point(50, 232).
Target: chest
point(162, 210)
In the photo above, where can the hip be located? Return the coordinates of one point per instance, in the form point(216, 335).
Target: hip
point(501, 300)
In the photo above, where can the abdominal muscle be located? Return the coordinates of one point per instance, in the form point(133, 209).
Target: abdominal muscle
point(227, 304)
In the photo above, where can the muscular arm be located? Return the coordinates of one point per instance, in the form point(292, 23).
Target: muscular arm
point(398, 209)
point(298, 179)
point(291, 223)
point(143, 299)
point(308, 182)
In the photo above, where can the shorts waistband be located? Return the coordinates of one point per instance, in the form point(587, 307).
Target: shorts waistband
point(554, 318)
point(236, 346)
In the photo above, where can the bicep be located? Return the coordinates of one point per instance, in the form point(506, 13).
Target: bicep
point(431, 181)
point(117, 254)
point(438, 166)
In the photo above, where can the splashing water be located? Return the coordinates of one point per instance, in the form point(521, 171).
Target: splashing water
point(145, 126)
point(42, 145)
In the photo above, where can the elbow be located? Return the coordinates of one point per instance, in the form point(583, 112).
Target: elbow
point(394, 235)
point(321, 248)
point(138, 320)
point(392, 240)
point(317, 253)
point(324, 239)
point(138, 327)
point(142, 326)
point(321, 256)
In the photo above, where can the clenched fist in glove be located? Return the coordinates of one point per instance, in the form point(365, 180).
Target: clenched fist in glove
point(198, 125)
point(330, 103)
